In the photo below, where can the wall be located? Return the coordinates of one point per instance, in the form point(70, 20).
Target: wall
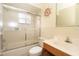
point(48, 22)
point(49, 29)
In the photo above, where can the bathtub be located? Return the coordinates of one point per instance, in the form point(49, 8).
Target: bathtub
point(23, 51)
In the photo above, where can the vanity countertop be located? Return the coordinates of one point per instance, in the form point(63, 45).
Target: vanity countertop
point(65, 47)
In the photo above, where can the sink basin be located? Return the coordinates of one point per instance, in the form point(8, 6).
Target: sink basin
point(67, 47)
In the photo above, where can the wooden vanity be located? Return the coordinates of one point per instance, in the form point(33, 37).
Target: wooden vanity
point(52, 51)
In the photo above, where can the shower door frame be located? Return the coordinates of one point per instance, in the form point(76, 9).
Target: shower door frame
point(2, 39)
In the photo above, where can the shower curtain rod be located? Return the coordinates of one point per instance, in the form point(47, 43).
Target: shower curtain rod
point(18, 9)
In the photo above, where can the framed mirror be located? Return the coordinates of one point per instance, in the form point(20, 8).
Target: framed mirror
point(67, 14)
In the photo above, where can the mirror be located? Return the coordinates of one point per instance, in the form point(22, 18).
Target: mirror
point(67, 14)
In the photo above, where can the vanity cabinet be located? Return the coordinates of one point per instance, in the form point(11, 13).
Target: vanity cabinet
point(52, 51)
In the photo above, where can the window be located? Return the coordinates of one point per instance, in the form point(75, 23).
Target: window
point(24, 18)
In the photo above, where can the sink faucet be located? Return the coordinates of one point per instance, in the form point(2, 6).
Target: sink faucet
point(68, 40)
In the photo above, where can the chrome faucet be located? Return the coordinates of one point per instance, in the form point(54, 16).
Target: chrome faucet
point(68, 40)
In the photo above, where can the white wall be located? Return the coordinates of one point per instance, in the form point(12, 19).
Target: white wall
point(48, 22)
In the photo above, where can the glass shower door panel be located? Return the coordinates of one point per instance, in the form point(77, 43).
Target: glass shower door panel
point(13, 39)
point(30, 35)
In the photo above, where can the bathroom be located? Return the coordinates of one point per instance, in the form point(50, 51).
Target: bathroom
point(36, 29)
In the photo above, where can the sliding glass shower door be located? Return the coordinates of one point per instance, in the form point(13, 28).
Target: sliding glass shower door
point(20, 28)
point(13, 36)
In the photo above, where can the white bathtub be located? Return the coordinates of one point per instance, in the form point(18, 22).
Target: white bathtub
point(19, 51)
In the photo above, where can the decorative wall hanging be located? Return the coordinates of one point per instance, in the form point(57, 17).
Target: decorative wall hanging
point(47, 12)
